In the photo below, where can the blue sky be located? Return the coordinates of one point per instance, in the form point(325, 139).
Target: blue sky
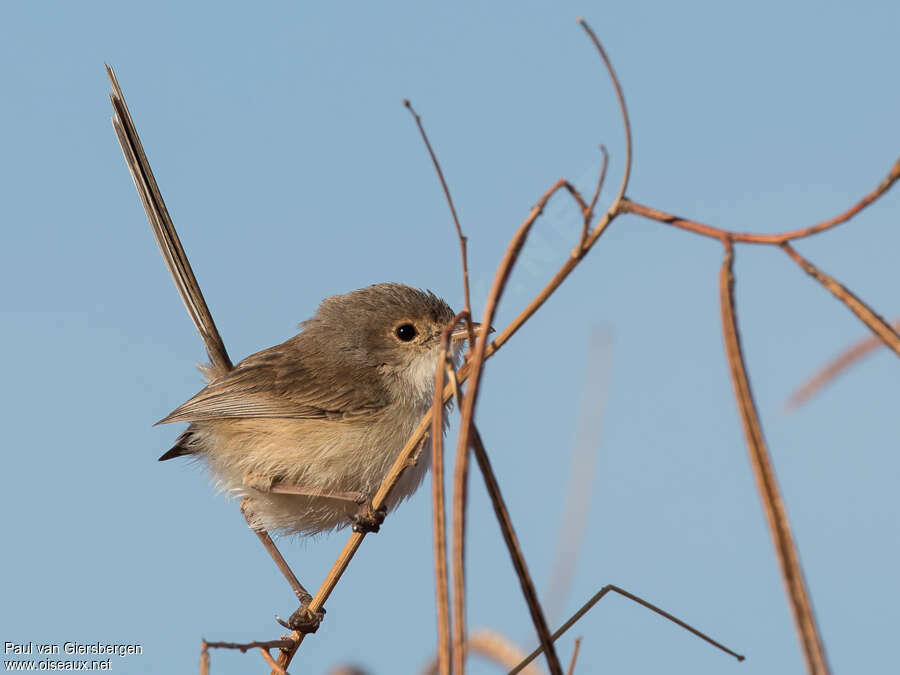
point(293, 172)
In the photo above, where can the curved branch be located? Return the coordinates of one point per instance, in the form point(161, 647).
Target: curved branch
point(626, 174)
point(629, 206)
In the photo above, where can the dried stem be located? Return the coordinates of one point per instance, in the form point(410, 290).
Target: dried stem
point(571, 669)
point(623, 109)
point(458, 634)
point(458, 548)
point(459, 233)
point(628, 206)
point(467, 410)
point(586, 607)
point(851, 355)
point(204, 660)
point(244, 647)
point(879, 326)
point(267, 657)
point(439, 525)
point(515, 551)
point(773, 505)
point(589, 211)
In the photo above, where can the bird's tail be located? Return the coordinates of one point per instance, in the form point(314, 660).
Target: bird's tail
point(183, 446)
point(164, 231)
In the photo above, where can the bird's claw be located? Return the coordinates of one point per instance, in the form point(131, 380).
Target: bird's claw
point(303, 620)
point(368, 520)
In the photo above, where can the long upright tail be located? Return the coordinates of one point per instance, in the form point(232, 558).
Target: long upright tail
point(164, 230)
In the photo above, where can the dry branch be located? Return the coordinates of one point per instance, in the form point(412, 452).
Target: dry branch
point(586, 607)
point(571, 669)
point(442, 601)
point(879, 326)
point(773, 505)
point(629, 206)
point(446, 643)
point(457, 637)
point(467, 432)
point(273, 664)
point(204, 660)
point(459, 233)
point(515, 552)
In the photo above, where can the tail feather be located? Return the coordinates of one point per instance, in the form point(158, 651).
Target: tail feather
point(182, 447)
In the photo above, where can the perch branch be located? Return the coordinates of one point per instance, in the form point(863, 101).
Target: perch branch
point(770, 496)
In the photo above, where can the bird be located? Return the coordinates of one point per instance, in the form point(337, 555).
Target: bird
point(305, 431)
point(326, 411)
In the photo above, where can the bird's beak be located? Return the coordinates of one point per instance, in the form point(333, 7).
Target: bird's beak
point(460, 332)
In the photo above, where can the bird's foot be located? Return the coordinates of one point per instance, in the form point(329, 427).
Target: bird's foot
point(368, 520)
point(303, 620)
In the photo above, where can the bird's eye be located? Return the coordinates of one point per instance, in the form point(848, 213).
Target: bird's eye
point(405, 332)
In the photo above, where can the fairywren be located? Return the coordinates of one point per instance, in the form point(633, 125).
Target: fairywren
point(326, 411)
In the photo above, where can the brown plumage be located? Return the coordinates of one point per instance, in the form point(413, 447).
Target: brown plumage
point(328, 409)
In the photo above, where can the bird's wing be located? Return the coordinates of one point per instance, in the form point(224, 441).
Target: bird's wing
point(274, 383)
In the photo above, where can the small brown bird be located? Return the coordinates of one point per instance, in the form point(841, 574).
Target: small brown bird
point(326, 411)
point(305, 431)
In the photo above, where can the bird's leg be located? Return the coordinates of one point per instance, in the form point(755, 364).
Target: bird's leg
point(366, 520)
point(275, 486)
point(303, 620)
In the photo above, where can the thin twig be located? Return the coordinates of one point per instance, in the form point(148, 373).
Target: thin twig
point(589, 211)
point(460, 494)
point(571, 669)
point(439, 519)
point(244, 647)
point(515, 551)
point(267, 657)
point(851, 355)
point(623, 109)
point(456, 636)
point(204, 659)
point(628, 206)
point(770, 495)
point(586, 607)
point(467, 428)
point(878, 325)
point(459, 233)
